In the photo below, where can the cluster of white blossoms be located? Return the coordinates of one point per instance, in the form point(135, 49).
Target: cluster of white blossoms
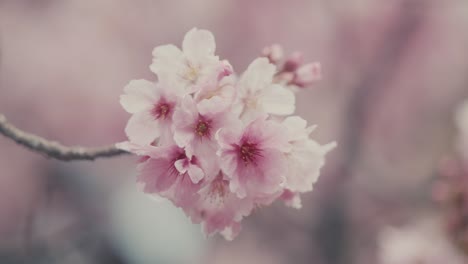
point(216, 144)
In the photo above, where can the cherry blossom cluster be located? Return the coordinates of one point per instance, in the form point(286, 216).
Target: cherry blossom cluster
point(217, 144)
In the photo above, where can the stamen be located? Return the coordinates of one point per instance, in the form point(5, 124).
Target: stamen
point(218, 191)
point(192, 73)
point(248, 152)
point(202, 128)
point(161, 110)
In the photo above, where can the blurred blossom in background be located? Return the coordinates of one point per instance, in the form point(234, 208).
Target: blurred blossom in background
point(394, 77)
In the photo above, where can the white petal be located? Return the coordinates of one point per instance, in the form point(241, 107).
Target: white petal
point(188, 104)
point(328, 147)
point(199, 45)
point(140, 150)
point(297, 128)
point(295, 123)
point(142, 128)
point(167, 59)
point(278, 100)
point(167, 53)
point(139, 96)
point(213, 105)
point(258, 75)
point(305, 162)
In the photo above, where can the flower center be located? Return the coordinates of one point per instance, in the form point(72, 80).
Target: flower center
point(218, 187)
point(202, 128)
point(191, 74)
point(218, 191)
point(248, 152)
point(161, 110)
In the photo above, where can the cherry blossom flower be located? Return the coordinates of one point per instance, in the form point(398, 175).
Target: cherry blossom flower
point(253, 158)
point(152, 106)
point(306, 157)
point(195, 127)
point(257, 94)
point(218, 93)
point(219, 209)
point(168, 172)
point(189, 67)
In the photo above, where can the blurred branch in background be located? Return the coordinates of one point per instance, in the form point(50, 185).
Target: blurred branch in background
point(54, 149)
point(332, 229)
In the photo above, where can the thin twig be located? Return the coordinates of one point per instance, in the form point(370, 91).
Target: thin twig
point(54, 149)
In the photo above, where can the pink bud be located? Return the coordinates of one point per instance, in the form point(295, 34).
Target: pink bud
point(274, 53)
point(226, 70)
point(293, 62)
point(308, 74)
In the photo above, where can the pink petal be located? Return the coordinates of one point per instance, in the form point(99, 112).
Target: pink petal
point(268, 133)
point(227, 137)
point(207, 159)
point(309, 73)
point(185, 192)
point(157, 175)
point(263, 178)
point(228, 161)
point(142, 128)
point(184, 120)
point(182, 165)
point(196, 173)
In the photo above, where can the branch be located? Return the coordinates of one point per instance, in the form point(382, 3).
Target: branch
point(54, 149)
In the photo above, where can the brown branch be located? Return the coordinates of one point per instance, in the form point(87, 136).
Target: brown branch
point(54, 149)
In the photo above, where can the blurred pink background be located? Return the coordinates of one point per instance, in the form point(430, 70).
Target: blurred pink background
point(394, 73)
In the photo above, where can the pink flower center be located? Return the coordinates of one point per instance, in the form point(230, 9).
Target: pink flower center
point(218, 187)
point(161, 110)
point(249, 152)
point(202, 128)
